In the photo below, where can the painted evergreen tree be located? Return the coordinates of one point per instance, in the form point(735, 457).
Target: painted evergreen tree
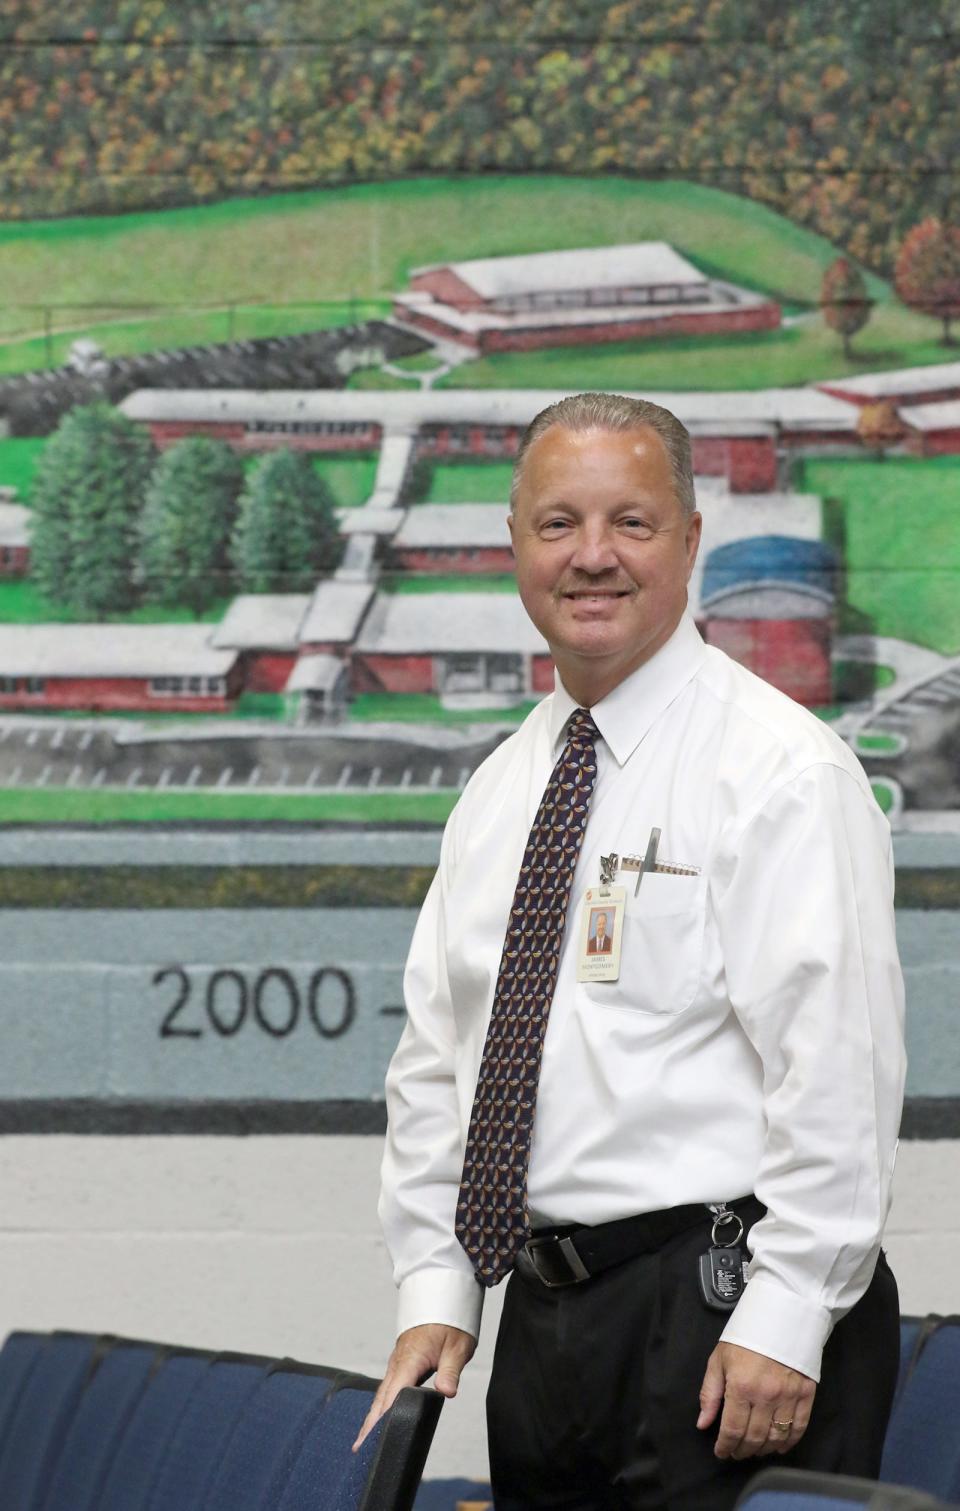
point(188, 519)
point(286, 535)
point(843, 299)
point(928, 271)
point(87, 501)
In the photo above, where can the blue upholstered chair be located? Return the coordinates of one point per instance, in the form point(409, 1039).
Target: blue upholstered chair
point(105, 1424)
point(99, 1422)
point(800, 1490)
point(150, 1430)
point(922, 1445)
point(40, 1419)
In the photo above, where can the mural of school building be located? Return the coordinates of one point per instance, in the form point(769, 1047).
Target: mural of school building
point(579, 297)
point(766, 598)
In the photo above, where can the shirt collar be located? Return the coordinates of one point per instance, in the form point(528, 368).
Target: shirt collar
point(625, 715)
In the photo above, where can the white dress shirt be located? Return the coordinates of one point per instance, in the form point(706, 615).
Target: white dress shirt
point(753, 1041)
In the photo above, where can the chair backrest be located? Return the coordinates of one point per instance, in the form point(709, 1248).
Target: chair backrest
point(18, 1357)
point(922, 1445)
point(199, 1441)
point(99, 1421)
point(266, 1440)
point(327, 1475)
point(106, 1424)
point(803, 1490)
point(158, 1412)
point(40, 1419)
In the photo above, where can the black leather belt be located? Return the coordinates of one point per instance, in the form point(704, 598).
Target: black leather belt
point(570, 1255)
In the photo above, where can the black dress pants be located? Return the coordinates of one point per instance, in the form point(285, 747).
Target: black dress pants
point(593, 1398)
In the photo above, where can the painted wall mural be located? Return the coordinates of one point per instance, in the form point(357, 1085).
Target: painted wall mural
point(281, 287)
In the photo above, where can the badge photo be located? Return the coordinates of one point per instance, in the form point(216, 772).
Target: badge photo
point(601, 934)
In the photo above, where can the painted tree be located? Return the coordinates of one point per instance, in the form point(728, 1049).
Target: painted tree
point(928, 271)
point(87, 501)
point(286, 534)
point(188, 519)
point(880, 426)
point(843, 299)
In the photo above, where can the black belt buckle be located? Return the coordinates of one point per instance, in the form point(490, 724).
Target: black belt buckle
point(555, 1261)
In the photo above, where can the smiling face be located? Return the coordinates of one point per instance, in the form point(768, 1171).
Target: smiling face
point(603, 552)
point(601, 925)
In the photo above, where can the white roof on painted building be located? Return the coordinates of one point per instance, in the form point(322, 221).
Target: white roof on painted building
point(14, 525)
point(730, 412)
point(267, 621)
point(443, 623)
point(944, 416)
point(474, 321)
point(335, 612)
point(317, 673)
point(452, 526)
point(369, 521)
point(634, 263)
point(111, 650)
point(906, 380)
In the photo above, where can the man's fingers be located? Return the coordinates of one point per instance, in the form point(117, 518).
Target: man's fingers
point(397, 1376)
point(734, 1424)
point(451, 1362)
point(711, 1391)
point(418, 1352)
point(799, 1418)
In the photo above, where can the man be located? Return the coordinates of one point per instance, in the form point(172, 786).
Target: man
point(607, 1139)
point(600, 942)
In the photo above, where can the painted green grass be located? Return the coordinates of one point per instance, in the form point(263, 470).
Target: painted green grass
point(442, 582)
point(424, 708)
point(339, 253)
point(64, 806)
point(350, 478)
point(794, 354)
point(360, 242)
point(19, 456)
point(901, 543)
point(420, 362)
point(22, 603)
point(125, 335)
point(366, 378)
point(469, 482)
point(883, 795)
point(879, 743)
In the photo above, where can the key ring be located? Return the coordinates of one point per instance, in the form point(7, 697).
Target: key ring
point(720, 1220)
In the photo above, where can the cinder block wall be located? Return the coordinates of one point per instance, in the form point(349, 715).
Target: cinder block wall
point(272, 1245)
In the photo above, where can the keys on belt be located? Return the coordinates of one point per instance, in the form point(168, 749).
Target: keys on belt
point(554, 1260)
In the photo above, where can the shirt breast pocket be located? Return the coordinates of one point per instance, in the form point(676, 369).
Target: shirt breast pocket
point(662, 947)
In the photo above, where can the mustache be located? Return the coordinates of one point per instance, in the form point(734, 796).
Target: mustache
point(601, 582)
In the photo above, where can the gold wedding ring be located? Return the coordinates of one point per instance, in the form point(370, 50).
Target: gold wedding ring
point(781, 1426)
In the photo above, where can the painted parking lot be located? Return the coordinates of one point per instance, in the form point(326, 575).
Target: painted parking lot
point(85, 754)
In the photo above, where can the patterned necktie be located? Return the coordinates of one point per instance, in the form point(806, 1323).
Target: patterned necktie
point(492, 1221)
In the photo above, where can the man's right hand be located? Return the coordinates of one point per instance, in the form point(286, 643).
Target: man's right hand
point(418, 1353)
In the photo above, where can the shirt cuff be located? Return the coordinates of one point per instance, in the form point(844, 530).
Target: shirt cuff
point(778, 1323)
point(445, 1296)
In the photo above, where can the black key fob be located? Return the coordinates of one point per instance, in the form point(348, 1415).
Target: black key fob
point(723, 1275)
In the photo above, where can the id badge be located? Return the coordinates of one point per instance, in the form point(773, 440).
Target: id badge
point(601, 934)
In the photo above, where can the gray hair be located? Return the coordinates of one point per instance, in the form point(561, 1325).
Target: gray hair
point(613, 411)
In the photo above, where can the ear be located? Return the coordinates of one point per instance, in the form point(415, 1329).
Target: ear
point(692, 539)
point(513, 543)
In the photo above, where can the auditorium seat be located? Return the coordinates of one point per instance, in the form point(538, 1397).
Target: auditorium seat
point(99, 1422)
point(801, 1490)
point(922, 1445)
point(41, 1418)
point(136, 1463)
point(106, 1424)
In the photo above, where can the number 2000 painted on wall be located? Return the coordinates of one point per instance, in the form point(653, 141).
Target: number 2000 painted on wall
point(271, 1000)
